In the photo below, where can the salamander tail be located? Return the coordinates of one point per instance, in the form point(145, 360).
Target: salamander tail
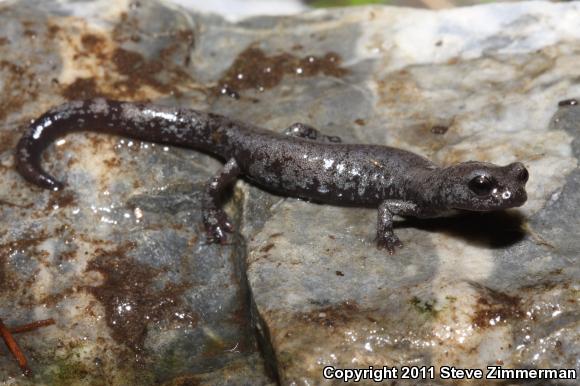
point(28, 164)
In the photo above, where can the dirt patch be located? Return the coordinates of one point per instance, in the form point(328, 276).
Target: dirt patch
point(332, 316)
point(9, 281)
point(60, 199)
point(131, 300)
point(92, 41)
point(81, 88)
point(496, 308)
point(253, 69)
point(20, 86)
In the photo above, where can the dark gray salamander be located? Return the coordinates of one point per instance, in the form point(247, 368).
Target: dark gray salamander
point(300, 162)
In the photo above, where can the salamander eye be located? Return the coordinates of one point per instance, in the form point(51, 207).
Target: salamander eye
point(481, 185)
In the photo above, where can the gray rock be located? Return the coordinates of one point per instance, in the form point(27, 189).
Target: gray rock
point(119, 260)
point(468, 292)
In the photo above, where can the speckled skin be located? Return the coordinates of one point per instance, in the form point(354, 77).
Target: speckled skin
point(299, 162)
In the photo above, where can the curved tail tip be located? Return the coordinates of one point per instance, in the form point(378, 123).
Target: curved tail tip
point(47, 182)
point(38, 177)
point(27, 160)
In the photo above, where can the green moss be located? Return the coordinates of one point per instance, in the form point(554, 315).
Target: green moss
point(78, 369)
point(67, 371)
point(426, 307)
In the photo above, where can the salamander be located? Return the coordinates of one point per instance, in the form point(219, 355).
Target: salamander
point(299, 162)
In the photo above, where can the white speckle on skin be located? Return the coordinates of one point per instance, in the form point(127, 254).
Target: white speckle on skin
point(40, 128)
point(99, 106)
point(130, 112)
point(37, 132)
point(76, 104)
point(170, 116)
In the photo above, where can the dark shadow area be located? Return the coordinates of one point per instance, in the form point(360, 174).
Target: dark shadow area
point(499, 229)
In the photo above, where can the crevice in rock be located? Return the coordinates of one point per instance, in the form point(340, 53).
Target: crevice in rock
point(258, 326)
point(265, 343)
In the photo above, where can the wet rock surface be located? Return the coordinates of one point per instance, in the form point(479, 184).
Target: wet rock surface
point(119, 260)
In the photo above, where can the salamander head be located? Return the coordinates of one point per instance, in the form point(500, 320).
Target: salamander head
point(481, 186)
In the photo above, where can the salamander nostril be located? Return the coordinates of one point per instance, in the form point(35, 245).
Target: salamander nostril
point(517, 171)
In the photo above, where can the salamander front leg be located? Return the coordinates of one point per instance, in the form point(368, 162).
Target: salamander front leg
point(214, 218)
point(386, 238)
point(302, 130)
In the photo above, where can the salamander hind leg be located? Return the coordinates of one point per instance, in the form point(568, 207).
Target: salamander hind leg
point(215, 220)
point(302, 130)
point(386, 237)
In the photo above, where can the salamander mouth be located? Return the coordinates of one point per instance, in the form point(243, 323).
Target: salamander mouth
point(510, 198)
point(515, 201)
point(497, 203)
